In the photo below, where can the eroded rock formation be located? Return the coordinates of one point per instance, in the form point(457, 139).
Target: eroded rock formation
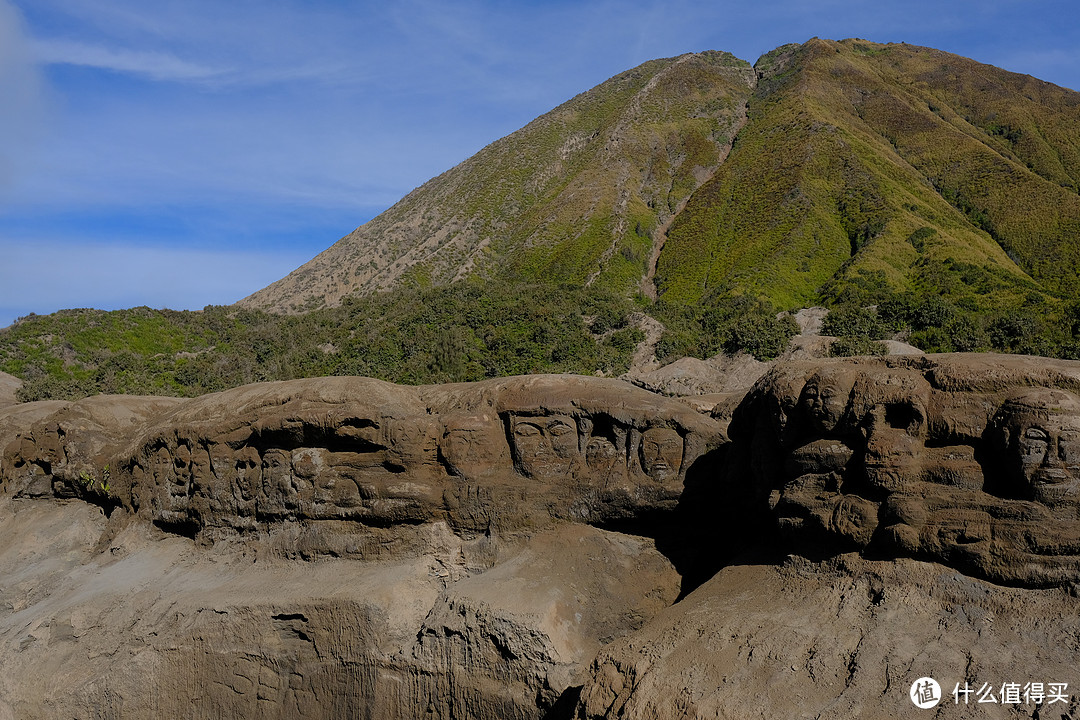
point(501, 456)
point(359, 548)
point(518, 548)
point(956, 459)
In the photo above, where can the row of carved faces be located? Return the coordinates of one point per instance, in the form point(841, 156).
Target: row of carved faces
point(545, 447)
point(549, 448)
point(212, 479)
point(1031, 444)
point(859, 456)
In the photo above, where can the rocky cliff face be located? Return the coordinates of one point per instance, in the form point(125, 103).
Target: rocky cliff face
point(956, 459)
point(545, 546)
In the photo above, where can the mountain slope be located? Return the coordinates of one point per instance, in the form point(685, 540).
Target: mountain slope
point(871, 168)
point(575, 196)
point(860, 171)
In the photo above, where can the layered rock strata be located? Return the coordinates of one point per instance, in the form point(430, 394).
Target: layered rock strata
point(336, 547)
point(545, 546)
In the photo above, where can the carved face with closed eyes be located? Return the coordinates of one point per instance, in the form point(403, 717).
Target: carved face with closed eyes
point(545, 446)
point(1039, 432)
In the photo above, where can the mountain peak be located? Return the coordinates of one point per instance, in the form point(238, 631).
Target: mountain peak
point(860, 169)
point(577, 195)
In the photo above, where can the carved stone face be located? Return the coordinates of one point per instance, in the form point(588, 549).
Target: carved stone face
point(1040, 431)
point(854, 519)
point(812, 503)
point(824, 398)
point(895, 444)
point(898, 456)
point(278, 487)
point(863, 438)
point(411, 443)
point(180, 474)
point(600, 455)
point(171, 475)
point(546, 446)
point(473, 446)
point(248, 474)
point(661, 453)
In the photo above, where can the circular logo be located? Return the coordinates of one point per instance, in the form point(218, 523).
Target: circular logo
point(925, 693)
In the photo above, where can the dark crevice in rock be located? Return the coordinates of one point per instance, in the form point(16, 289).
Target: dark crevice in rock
point(188, 529)
point(565, 705)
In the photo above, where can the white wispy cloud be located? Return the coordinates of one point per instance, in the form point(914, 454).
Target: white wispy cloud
point(154, 65)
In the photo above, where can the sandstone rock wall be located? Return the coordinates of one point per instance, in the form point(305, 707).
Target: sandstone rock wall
point(843, 638)
point(154, 626)
point(544, 546)
point(971, 461)
point(340, 547)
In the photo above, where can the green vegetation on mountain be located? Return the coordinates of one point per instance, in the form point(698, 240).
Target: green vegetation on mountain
point(1038, 326)
point(742, 323)
point(576, 196)
point(857, 177)
point(920, 195)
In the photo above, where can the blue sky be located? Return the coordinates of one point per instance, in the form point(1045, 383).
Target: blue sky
point(180, 153)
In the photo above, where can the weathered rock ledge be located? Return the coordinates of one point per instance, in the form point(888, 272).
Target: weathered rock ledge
point(545, 546)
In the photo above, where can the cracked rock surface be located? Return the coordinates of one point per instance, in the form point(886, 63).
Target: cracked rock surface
point(547, 546)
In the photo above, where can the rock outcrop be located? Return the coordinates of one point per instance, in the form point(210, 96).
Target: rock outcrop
point(956, 459)
point(9, 386)
point(843, 638)
point(545, 546)
point(64, 449)
point(500, 456)
point(338, 547)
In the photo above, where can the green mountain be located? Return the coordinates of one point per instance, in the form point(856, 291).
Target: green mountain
point(918, 194)
point(858, 170)
point(866, 169)
point(577, 195)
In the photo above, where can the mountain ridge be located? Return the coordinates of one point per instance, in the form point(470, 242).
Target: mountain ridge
point(578, 195)
point(585, 127)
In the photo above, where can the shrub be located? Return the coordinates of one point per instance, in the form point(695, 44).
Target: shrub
point(853, 321)
point(849, 346)
point(761, 335)
point(966, 334)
